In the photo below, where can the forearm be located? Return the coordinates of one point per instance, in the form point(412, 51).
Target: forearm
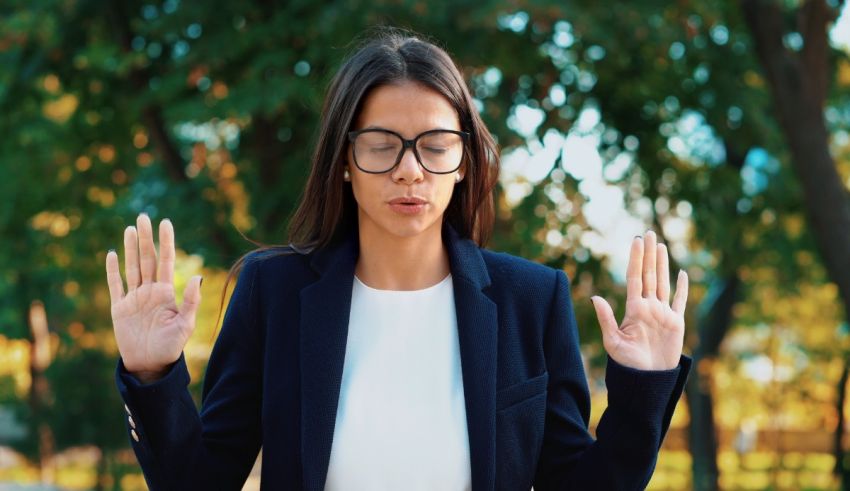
point(629, 434)
point(168, 437)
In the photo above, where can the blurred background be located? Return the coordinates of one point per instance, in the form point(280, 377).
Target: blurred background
point(722, 125)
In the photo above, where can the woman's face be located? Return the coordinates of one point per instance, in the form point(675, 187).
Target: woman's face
point(408, 109)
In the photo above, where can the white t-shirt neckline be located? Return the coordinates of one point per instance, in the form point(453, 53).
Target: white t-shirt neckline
point(393, 292)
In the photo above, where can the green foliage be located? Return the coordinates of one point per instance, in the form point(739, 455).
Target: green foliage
point(206, 113)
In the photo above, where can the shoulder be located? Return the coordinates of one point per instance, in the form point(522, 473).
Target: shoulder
point(274, 264)
point(525, 291)
point(519, 274)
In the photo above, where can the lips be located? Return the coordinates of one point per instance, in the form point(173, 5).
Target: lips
point(412, 200)
point(408, 205)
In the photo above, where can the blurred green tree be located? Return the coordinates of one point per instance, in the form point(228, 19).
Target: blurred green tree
point(206, 114)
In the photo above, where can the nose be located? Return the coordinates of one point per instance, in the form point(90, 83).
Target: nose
point(408, 169)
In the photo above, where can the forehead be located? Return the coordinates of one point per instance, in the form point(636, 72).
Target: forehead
point(408, 108)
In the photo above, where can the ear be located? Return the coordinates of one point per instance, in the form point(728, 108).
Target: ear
point(461, 171)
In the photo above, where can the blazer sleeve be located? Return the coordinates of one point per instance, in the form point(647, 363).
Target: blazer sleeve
point(177, 447)
point(630, 432)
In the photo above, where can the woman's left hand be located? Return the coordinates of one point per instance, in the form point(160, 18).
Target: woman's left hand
point(652, 332)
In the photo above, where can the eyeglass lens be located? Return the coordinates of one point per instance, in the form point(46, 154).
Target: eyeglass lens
point(378, 151)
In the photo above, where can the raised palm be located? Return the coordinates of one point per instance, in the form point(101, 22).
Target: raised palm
point(652, 332)
point(150, 329)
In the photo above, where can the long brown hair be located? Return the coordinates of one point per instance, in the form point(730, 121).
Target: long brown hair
point(327, 209)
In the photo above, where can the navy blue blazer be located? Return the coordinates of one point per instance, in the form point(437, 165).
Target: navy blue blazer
point(273, 380)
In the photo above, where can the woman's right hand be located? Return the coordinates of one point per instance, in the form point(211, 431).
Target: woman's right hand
point(150, 329)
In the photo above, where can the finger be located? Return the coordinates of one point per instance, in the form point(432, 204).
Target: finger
point(113, 278)
point(605, 314)
point(663, 264)
point(191, 299)
point(166, 251)
point(147, 251)
point(634, 283)
point(131, 258)
point(680, 299)
point(649, 274)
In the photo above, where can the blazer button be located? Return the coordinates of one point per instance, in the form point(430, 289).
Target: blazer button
point(132, 423)
point(134, 435)
point(127, 409)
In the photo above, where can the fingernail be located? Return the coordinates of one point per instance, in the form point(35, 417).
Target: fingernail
point(638, 237)
point(110, 250)
point(591, 302)
point(201, 282)
point(143, 213)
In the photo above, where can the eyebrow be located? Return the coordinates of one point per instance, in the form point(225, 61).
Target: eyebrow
point(374, 127)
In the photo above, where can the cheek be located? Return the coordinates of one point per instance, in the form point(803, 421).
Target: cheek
point(360, 194)
point(367, 192)
point(445, 190)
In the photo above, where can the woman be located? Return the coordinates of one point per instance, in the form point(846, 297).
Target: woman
point(385, 348)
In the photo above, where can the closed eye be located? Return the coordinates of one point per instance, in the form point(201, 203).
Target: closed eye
point(382, 149)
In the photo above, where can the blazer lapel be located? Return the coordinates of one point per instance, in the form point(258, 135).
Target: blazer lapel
point(325, 309)
point(477, 323)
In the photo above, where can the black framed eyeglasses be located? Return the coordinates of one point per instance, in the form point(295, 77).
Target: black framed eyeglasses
point(377, 151)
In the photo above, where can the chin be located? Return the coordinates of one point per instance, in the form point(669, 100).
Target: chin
point(407, 230)
point(402, 227)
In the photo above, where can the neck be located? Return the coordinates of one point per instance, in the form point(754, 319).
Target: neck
point(389, 262)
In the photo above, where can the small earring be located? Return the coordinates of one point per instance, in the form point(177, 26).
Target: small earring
point(346, 176)
point(458, 177)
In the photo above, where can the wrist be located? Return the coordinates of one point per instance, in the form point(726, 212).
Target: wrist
point(148, 376)
point(639, 391)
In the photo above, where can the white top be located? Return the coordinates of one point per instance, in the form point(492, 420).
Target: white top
point(401, 421)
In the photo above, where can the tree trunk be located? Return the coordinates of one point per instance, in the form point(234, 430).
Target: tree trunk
point(840, 469)
point(798, 86)
point(799, 82)
point(40, 391)
point(702, 434)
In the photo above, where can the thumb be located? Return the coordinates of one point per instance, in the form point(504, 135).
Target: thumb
point(191, 299)
point(605, 314)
